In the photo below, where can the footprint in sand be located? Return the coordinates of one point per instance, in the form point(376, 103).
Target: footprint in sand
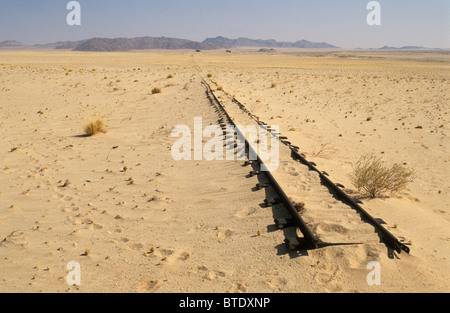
point(325, 273)
point(225, 233)
point(134, 246)
point(163, 253)
point(238, 288)
point(214, 275)
point(276, 283)
point(357, 257)
point(183, 256)
point(351, 257)
point(170, 256)
point(95, 226)
point(83, 221)
point(245, 212)
point(149, 285)
point(324, 277)
point(70, 209)
point(291, 171)
point(121, 240)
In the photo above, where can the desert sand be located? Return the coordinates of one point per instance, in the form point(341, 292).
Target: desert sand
point(138, 221)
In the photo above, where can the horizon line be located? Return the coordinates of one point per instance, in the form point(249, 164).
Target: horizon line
point(387, 47)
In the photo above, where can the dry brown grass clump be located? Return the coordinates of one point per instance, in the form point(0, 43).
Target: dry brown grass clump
point(156, 90)
point(94, 128)
point(374, 179)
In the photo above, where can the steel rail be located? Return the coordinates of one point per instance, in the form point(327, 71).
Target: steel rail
point(389, 239)
point(309, 240)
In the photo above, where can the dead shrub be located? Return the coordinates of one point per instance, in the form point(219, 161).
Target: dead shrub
point(156, 91)
point(374, 179)
point(94, 128)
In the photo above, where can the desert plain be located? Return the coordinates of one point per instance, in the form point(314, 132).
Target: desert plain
point(136, 220)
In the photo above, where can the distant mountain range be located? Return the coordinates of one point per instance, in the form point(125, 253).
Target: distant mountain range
point(246, 42)
point(141, 43)
point(403, 48)
point(164, 43)
point(10, 44)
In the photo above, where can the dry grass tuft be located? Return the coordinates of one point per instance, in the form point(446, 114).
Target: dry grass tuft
point(374, 179)
point(300, 206)
point(94, 128)
point(156, 90)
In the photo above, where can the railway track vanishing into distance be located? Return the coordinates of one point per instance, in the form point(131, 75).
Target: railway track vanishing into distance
point(292, 220)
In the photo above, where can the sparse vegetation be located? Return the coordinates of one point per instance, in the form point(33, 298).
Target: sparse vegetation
point(156, 90)
point(274, 85)
point(374, 179)
point(324, 150)
point(299, 206)
point(94, 128)
point(209, 75)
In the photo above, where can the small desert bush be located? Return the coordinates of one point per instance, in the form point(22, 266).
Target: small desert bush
point(274, 85)
point(94, 128)
point(156, 90)
point(374, 179)
point(209, 75)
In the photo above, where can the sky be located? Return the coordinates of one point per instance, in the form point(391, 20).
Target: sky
point(341, 23)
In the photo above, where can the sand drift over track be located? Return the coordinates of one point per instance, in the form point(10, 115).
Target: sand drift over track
point(324, 196)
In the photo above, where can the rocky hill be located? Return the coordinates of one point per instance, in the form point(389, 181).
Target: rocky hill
point(11, 44)
point(143, 43)
point(246, 42)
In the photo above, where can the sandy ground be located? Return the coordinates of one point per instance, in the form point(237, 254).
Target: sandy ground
point(138, 221)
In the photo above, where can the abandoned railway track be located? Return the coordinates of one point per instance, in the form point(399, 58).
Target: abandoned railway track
point(306, 226)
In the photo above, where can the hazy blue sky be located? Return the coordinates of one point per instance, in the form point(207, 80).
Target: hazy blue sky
point(338, 22)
